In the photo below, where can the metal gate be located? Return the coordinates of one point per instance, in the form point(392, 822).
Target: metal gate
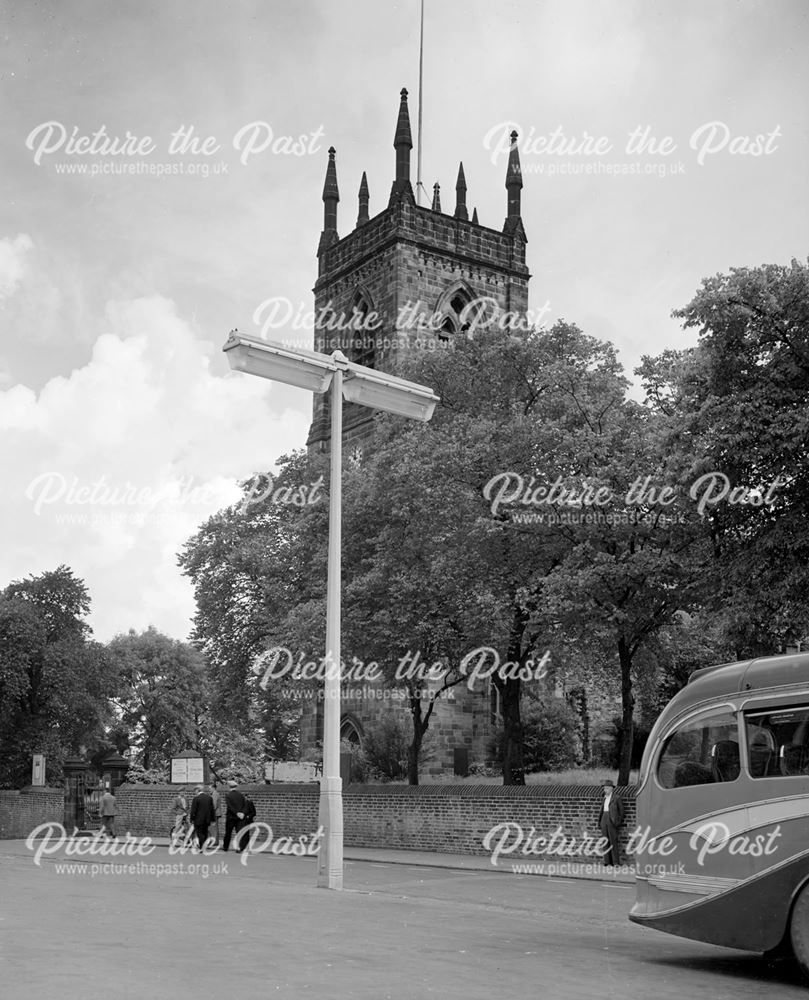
point(92, 807)
point(82, 804)
point(74, 802)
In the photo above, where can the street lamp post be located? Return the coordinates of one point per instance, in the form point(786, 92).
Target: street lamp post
point(368, 387)
point(330, 813)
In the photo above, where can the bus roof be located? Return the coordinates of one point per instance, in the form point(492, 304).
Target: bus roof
point(746, 675)
point(723, 681)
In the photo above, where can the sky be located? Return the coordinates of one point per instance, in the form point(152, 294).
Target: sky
point(163, 168)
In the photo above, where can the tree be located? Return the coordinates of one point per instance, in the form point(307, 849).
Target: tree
point(737, 407)
point(258, 569)
point(432, 561)
point(432, 555)
point(625, 576)
point(162, 696)
point(409, 598)
point(233, 753)
point(692, 641)
point(55, 684)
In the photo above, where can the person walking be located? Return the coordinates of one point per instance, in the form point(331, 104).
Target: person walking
point(180, 810)
point(202, 814)
point(217, 808)
point(234, 815)
point(610, 820)
point(108, 813)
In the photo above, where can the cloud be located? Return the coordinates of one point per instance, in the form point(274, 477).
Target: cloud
point(12, 263)
point(113, 467)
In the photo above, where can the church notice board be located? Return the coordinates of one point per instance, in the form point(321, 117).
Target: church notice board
point(188, 771)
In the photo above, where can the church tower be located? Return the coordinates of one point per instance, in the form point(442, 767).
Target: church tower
point(408, 261)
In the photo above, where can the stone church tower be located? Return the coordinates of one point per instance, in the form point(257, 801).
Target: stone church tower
point(410, 261)
point(405, 262)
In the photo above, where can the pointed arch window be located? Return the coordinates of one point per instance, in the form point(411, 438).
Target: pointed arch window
point(350, 732)
point(453, 307)
point(362, 340)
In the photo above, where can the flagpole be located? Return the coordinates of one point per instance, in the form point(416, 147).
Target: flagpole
point(421, 81)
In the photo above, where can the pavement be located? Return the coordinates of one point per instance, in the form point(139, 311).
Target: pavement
point(561, 867)
point(164, 926)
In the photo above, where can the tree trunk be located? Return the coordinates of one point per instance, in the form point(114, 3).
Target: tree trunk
point(414, 750)
point(513, 760)
point(413, 760)
point(510, 689)
point(627, 709)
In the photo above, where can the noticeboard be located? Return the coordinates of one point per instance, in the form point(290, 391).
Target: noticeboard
point(188, 770)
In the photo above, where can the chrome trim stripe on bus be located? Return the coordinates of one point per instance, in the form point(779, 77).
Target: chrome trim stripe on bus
point(744, 818)
point(764, 813)
point(699, 885)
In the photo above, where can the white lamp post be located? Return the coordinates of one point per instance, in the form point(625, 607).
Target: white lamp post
point(368, 387)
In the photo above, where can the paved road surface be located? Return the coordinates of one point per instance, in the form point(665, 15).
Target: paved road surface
point(396, 931)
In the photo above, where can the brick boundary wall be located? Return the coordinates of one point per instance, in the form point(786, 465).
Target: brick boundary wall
point(452, 819)
point(25, 810)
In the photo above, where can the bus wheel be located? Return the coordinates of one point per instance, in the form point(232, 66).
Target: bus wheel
point(799, 930)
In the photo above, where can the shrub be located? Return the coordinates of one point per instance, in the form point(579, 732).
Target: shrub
point(360, 768)
point(385, 748)
point(550, 735)
point(481, 770)
point(640, 735)
point(140, 775)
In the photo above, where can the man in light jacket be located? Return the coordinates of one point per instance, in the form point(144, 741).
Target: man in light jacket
point(108, 813)
point(180, 810)
point(217, 808)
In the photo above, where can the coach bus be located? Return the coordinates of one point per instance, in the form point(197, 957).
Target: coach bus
point(722, 846)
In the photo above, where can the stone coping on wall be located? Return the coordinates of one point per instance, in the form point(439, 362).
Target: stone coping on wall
point(480, 789)
point(33, 790)
point(462, 790)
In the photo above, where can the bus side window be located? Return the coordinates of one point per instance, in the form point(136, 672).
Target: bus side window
point(778, 742)
point(702, 751)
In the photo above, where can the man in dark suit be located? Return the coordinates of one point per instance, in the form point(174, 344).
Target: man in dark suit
point(234, 817)
point(610, 820)
point(202, 814)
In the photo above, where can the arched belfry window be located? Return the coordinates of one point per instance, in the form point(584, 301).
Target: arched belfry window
point(453, 305)
point(362, 333)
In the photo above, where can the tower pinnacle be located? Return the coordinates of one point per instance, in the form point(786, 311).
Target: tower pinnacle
point(363, 199)
point(402, 143)
point(331, 196)
point(513, 186)
point(460, 195)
